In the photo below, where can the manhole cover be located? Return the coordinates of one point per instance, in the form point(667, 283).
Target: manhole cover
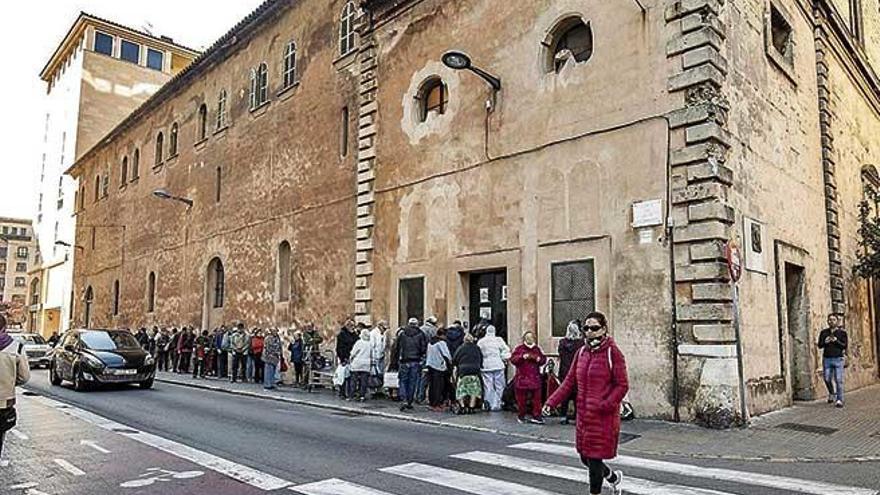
point(818, 430)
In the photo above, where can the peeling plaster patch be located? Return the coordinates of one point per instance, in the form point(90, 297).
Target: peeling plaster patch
point(435, 124)
point(439, 220)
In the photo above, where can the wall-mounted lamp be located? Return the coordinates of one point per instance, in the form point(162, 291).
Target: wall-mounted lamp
point(164, 194)
point(457, 60)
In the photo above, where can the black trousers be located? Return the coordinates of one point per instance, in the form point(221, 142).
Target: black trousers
point(2, 437)
point(599, 472)
point(437, 387)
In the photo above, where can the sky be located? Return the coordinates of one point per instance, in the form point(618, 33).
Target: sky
point(29, 33)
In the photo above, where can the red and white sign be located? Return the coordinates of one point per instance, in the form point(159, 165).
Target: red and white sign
point(734, 261)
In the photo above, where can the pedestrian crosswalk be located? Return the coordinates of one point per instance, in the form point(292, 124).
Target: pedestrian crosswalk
point(529, 461)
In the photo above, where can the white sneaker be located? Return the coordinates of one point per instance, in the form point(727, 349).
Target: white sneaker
point(616, 487)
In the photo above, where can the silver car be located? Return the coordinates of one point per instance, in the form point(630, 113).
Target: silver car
point(35, 347)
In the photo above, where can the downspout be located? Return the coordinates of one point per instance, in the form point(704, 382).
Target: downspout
point(670, 239)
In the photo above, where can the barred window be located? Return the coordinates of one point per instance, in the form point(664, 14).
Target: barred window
point(574, 293)
point(221, 109)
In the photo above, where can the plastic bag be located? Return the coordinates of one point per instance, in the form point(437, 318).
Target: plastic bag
point(342, 372)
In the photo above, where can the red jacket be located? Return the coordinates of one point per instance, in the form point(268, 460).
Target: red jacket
point(599, 377)
point(528, 371)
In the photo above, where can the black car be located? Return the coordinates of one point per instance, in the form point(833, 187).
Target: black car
point(95, 357)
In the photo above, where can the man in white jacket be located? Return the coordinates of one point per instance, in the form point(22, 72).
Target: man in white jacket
point(496, 353)
point(378, 349)
point(14, 371)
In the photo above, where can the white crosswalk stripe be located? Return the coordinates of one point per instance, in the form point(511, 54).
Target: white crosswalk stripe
point(718, 474)
point(336, 487)
point(465, 482)
point(629, 485)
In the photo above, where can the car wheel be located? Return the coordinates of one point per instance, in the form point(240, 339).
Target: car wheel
point(79, 383)
point(54, 379)
point(147, 384)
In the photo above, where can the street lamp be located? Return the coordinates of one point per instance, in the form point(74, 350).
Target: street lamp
point(68, 245)
point(164, 194)
point(458, 60)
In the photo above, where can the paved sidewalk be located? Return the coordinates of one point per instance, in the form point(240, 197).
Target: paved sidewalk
point(807, 432)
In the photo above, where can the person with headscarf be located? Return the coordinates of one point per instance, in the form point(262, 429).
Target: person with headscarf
point(528, 359)
point(360, 363)
point(496, 353)
point(14, 371)
point(567, 349)
point(598, 376)
point(468, 361)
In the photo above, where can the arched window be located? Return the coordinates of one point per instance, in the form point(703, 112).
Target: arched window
point(123, 176)
point(151, 292)
point(172, 145)
point(217, 282)
point(97, 188)
point(35, 291)
point(289, 64)
point(221, 109)
point(203, 122)
point(160, 148)
point(284, 273)
point(89, 300)
point(572, 38)
point(115, 297)
point(346, 28)
point(259, 85)
point(433, 98)
point(136, 165)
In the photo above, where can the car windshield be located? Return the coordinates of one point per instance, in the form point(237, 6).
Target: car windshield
point(31, 339)
point(109, 341)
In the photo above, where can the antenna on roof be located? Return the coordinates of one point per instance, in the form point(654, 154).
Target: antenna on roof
point(147, 27)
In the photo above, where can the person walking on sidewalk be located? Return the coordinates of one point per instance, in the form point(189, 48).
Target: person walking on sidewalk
point(438, 362)
point(468, 360)
point(360, 363)
point(239, 344)
point(14, 371)
point(496, 353)
point(412, 347)
point(567, 349)
point(297, 357)
point(598, 377)
point(345, 340)
point(833, 341)
point(271, 358)
point(528, 359)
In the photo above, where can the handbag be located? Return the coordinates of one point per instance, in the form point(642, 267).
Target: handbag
point(8, 418)
point(375, 378)
point(283, 365)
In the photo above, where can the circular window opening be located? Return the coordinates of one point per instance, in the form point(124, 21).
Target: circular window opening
point(433, 98)
point(571, 39)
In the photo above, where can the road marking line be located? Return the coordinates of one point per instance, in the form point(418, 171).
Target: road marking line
point(465, 482)
point(335, 486)
point(70, 468)
point(719, 474)
point(630, 485)
point(92, 444)
point(244, 474)
point(18, 434)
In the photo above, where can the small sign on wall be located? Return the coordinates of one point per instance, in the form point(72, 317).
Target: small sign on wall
point(647, 213)
point(755, 244)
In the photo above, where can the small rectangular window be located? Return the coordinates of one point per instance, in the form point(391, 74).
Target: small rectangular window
point(20, 282)
point(574, 293)
point(130, 52)
point(103, 43)
point(21, 267)
point(155, 59)
point(343, 136)
point(22, 252)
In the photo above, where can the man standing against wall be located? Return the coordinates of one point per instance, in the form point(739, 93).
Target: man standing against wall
point(833, 342)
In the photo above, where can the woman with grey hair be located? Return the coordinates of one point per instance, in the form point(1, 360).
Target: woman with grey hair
point(567, 349)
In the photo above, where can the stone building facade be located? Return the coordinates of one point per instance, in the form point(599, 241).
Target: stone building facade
point(18, 256)
point(628, 145)
point(99, 73)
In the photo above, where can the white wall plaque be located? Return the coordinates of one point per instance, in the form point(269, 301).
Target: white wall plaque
point(647, 213)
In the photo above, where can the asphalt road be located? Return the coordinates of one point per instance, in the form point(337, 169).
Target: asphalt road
point(158, 434)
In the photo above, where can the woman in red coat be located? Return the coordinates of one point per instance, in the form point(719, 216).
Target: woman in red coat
point(528, 359)
point(598, 376)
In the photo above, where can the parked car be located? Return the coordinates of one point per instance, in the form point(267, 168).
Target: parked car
point(35, 347)
point(95, 357)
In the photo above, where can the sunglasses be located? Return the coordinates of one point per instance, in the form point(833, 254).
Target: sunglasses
point(593, 328)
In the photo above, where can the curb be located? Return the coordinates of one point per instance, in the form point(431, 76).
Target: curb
point(496, 431)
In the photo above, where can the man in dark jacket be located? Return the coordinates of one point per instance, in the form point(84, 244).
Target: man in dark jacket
point(833, 341)
point(142, 338)
point(412, 347)
point(345, 341)
point(454, 337)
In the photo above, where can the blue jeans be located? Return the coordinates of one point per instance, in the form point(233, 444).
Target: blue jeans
point(833, 368)
point(408, 376)
point(249, 370)
point(268, 375)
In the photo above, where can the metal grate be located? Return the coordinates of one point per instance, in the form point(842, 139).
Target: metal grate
point(574, 293)
point(818, 430)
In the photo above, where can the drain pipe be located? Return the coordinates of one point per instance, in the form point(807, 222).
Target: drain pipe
point(670, 239)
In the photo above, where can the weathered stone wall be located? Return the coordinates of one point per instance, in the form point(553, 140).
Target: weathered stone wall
point(282, 179)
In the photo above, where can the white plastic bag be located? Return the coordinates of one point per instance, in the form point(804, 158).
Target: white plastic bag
point(342, 372)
